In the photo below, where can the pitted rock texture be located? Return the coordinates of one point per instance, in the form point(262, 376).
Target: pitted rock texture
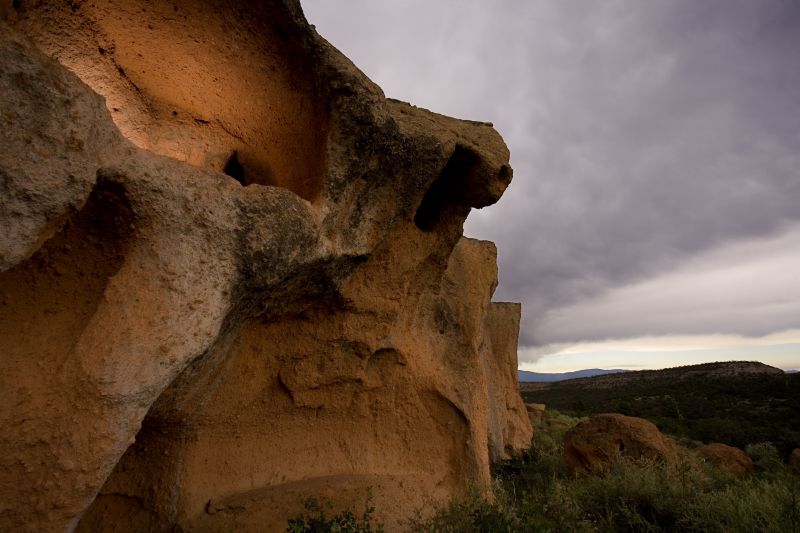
point(186, 349)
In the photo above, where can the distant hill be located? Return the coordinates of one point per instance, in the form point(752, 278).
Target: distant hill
point(737, 403)
point(544, 377)
point(621, 378)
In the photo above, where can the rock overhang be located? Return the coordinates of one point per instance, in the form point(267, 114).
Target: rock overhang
point(341, 291)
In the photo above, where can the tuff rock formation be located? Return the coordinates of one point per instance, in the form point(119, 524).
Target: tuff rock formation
point(232, 275)
point(591, 446)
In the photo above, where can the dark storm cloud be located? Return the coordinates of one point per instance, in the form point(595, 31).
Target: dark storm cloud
point(643, 134)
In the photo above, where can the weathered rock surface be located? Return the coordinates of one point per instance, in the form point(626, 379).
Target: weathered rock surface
point(181, 348)
point(726, 457)
point(535, 412)
point(592, 445)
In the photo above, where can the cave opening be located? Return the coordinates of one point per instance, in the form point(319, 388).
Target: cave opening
point(235, 169)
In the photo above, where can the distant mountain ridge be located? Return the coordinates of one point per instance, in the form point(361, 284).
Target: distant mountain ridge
point(730, 368)
point(543, 377)
point(705, 370)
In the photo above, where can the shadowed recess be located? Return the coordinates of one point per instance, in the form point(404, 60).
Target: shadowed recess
point(235, 169)
point(445, 196)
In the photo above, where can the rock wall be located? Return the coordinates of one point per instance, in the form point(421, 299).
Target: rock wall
point(232, 275)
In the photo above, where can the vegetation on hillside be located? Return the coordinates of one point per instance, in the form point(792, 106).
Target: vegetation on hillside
point(734, 410)
point(534, 493)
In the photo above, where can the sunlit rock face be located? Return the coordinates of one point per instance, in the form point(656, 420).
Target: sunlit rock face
point(198, 80)
point(236, 278)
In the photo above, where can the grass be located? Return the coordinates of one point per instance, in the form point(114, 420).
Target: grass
point(534, 493)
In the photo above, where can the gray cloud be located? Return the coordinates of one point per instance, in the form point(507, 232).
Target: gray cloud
point(643, 134)
point(714, 291)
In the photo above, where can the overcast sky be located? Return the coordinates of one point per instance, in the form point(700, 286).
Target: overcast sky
point(656, 155)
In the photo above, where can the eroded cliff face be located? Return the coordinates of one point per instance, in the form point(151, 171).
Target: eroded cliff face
point(186, 348)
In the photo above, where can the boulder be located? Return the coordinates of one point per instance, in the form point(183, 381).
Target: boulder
point(535, 412)
point(233, 276)
point(794, 461)
point(726, 458)
point(592, 445)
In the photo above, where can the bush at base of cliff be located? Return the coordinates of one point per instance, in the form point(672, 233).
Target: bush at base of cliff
point(470, 515)
point(315, 520)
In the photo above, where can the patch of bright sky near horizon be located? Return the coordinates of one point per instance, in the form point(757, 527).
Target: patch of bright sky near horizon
point(656, 155)
point(643, 353)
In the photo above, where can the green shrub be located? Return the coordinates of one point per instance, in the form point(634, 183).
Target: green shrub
point(316, 521)
point(744, 506)
point(634, 495)
point(470, 515)
point(764, 456)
